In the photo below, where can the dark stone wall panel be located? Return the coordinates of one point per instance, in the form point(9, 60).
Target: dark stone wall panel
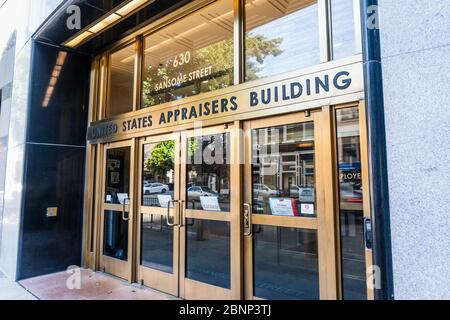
point(59, 99)
point(54, 179)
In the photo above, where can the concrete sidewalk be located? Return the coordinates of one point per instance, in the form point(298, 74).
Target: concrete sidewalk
point(10, 290)
point(93, 286)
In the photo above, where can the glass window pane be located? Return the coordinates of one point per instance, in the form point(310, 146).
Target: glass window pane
point(343, 24)
point(156, 243)
point(115, 242)
point(191, 56)
point(208, 173)
point(121, 82)
point(285, 263)
point(158, 174)
point(208, 252)
point(351, 205)
point(283, 170)
point(280, 37)
point(118, 175)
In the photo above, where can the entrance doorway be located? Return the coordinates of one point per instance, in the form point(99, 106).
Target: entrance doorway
point(289, 250)
point(186, 226)
point(117, 209)
point(247, 210)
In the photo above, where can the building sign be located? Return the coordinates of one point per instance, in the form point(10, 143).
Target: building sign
point(304, 91)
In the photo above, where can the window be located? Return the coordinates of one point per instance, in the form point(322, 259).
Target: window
point(191, 56)
point(121, 80)
point(208, 173)
point(272, 181)
point(351, 205)
point(280, 37)
point(195, 54)
point(343, 24)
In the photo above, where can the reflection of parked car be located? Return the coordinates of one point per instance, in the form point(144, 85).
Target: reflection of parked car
point(151, 188)
point(264, 191)
point(195, 192)
point(351, 193)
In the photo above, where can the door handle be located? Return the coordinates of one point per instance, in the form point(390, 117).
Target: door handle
point(123, 209)
point(170, 224)
point(368, 233)
point(181, 213)
point(247, 219)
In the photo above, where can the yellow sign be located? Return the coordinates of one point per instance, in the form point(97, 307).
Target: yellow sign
point(52, 212)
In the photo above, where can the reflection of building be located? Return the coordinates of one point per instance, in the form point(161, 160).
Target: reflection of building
point(276, 165)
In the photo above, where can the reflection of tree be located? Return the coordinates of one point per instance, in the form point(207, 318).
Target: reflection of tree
point(216, 147)
point(218, 55)
point(258, 48)
point(162, 158)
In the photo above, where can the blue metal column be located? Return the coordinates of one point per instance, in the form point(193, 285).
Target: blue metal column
point(377, 148)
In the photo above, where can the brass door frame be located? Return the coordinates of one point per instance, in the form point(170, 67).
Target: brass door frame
point(116, 267)
point(365, 179)
point(324, 223)
point(177, 283)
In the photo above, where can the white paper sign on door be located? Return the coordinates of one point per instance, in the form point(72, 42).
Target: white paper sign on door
point(210, 203)
point(122, 197)
point(164, 200)
point(281, 207)
point(307, 209)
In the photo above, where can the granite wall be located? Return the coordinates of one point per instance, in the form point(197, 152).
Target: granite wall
point(415, 47)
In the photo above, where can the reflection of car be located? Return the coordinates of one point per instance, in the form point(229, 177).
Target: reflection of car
point(262, 190)
point(351, 193)
point(151, 188)
point(195, 192)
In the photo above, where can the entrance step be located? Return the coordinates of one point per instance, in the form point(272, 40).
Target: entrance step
point(88, 285)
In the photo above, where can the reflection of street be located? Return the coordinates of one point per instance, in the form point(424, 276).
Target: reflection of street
point(157, 243)
point(285, 263)
point(353, 259)
point(208, 252)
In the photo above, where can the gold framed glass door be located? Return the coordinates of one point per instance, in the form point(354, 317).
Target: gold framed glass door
point(186, 228)
point(158, 221)
point(288, 228)
point(209, 232)
point(117, 209)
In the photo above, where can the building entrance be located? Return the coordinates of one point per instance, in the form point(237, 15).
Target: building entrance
point(254, 209)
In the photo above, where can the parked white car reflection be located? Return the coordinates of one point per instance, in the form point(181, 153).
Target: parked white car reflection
point(195, 192)
point(152, 188)
point(261, 190)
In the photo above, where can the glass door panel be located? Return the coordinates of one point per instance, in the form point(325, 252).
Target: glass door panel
point(117, 209)
point(282, 208)
point(158, 235)
point(206, 252)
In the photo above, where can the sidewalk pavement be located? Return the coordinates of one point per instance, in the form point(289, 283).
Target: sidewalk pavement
point(10, 290)
point(92, 286)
